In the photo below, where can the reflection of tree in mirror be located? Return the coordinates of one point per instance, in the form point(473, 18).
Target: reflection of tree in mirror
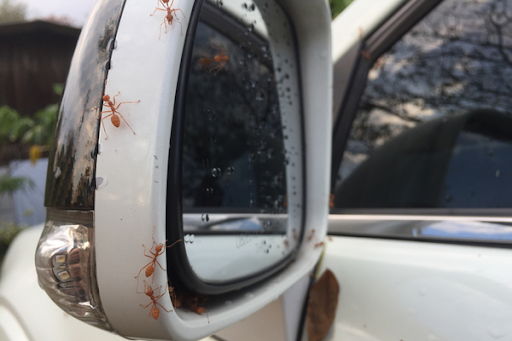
point(458, 59)
point(233, 140)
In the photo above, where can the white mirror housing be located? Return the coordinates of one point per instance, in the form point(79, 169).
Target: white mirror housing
point(129, 207)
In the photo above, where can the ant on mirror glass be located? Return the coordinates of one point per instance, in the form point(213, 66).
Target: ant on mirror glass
point(220, 57)
point(205, 63)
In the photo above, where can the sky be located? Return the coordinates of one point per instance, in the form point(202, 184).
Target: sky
point(77, 11)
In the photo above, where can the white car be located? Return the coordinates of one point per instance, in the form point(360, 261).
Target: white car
point(228, 155)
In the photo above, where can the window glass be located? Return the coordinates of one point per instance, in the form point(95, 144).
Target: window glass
point(434, 126)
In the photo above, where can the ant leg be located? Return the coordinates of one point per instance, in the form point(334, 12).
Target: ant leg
point(150, 310)
point(218, 68)
point(179, 240)
point(181, 26)
point(137, 289)
point(114, 98)
point(144, 307)
point(157, 9)
point(126, 102)
point(160, 265)
point(217, 46)
point(177, 9)
point(126, 123)
point(145, 266)
point(163, 307)
point(161, 29)
point(103, 124)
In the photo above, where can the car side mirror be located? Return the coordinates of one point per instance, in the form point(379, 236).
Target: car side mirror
point(191, 162)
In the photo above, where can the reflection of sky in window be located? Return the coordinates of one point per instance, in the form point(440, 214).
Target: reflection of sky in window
point(251, 224)
point(466, 230)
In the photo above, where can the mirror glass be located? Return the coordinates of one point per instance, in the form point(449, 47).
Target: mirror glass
point(242, 182)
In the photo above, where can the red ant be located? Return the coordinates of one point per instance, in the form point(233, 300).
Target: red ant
point(150, 267)
point(176, 301)
point(169, 16)
point(188, 301)
point(194, 306)
point(366, 54)
point(220, 58)
point(312, 234)
point(155, 312)
point(115, 114)
point(205, 63)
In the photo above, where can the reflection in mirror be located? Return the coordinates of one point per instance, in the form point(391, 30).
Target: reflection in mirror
point(242, 152)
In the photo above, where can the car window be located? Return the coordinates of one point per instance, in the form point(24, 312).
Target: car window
point(433, 129)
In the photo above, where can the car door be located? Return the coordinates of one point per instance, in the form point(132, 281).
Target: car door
point(420, 222)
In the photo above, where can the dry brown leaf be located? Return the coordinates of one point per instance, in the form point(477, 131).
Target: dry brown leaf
point(323, 300)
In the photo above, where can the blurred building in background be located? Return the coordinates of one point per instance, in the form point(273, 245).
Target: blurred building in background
point(33, 57)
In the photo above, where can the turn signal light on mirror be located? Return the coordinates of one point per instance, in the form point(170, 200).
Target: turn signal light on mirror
point(65, 264)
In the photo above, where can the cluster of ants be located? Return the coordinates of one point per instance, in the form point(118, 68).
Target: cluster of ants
point(216, 63)
point(186, 300)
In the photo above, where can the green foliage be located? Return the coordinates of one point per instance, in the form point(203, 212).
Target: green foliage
point(40, 130)
point(10, 185)
point(8, 119)
point(12, 12)
point(8, 232)
point(58, 88)
point(337, 6)
point(26, 130)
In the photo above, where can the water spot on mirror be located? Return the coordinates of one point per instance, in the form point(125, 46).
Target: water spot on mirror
point(189, 238)
point(216, 172)
point(230, 170)
point(211, 115)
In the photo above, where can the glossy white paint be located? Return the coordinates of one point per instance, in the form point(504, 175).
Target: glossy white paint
point(357, 21)
point(400, 290)
point(132, 198)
